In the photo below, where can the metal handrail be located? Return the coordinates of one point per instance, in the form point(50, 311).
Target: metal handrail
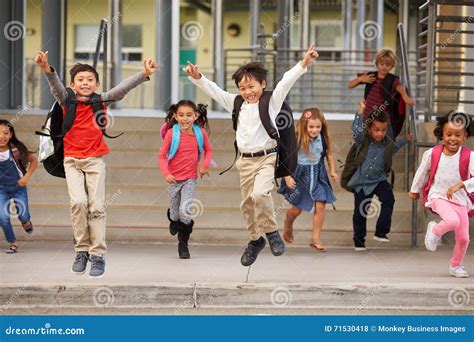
point(414, 129)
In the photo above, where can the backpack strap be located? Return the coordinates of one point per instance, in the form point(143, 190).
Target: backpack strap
point(263, 106)
point(464, 161)
point(238, 102)
point(100, 114)
point(71, 106)
point(435, 157)
point(97, 107)
point(200, 139)
point(176, 138)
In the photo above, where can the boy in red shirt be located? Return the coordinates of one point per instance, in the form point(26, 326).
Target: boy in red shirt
point(377, 89)
point(84, 148)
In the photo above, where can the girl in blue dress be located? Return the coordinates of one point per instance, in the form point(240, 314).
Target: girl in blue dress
point(309, 188)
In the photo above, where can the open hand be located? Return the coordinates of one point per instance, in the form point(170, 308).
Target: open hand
point(414, 196)
point(367, 78)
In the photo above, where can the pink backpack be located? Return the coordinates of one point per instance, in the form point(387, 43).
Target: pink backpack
point(464, 160)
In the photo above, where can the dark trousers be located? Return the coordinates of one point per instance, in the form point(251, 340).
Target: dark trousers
point(362, 203)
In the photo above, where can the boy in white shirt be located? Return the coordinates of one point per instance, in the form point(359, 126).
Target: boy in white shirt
point(257, 151)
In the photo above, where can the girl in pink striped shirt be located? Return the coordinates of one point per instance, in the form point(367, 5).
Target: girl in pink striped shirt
point(179, 155)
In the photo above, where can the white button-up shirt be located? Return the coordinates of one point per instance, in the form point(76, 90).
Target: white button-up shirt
point(251, 136)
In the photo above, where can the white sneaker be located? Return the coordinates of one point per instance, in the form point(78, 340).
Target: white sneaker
point(360, 249)
point(458, 272)
point(431, 240)
point(381, 239)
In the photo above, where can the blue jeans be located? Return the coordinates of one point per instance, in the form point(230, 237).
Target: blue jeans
point(361, 204)
point(20, 197)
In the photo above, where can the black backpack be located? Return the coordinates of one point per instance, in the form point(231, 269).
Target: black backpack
point(284, 133)
point(396, 105)
point(59, 126)
point(356, 156)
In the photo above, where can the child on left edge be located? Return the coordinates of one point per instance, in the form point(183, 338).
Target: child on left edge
point(17, 164)
point(179, 156)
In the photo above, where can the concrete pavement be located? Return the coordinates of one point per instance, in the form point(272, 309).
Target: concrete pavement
point(144, 278)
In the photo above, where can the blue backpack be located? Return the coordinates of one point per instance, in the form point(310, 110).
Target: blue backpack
point(177, 137)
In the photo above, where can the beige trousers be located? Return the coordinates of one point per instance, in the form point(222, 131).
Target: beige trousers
point(256, 185)
point(86, 186)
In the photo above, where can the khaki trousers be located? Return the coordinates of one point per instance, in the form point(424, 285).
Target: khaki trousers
point(256, 185)
point(86, 186)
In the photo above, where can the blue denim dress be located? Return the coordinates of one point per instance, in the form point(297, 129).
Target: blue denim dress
point(311, 177)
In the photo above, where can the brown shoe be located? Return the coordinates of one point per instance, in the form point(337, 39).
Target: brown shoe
point(28, 227)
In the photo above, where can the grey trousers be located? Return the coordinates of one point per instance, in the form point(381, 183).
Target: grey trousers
point(181, 196)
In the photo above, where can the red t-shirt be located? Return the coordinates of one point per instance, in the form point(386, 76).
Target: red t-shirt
point(375, 99)
point(184, 164)
point(84, 139)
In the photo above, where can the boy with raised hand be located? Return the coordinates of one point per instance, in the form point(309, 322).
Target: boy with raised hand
point(84, 148)
point(257, 150)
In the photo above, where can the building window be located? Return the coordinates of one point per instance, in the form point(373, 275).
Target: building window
point(86, 40)
point(328, 37)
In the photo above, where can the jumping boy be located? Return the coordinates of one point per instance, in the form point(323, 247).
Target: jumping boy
point(370, 178)
point(257, 151)
point(84, 148)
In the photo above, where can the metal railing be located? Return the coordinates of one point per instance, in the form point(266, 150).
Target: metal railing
point(325, 83)
point(441, 74)
point(412, 124)
point(442, 58)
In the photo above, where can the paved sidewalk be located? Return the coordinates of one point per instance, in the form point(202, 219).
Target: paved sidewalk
point(151, 276)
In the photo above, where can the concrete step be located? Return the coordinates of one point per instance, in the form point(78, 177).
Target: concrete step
point(221, 236)
point(154, 215)
point(151, 175)
point(31, 123)
point(210, 196)
point(141, 276)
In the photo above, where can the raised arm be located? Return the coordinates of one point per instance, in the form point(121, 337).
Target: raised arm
point(289, 78)
point(57, 87)
point(219, 95)
point(358, 129)
point(118, 92)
